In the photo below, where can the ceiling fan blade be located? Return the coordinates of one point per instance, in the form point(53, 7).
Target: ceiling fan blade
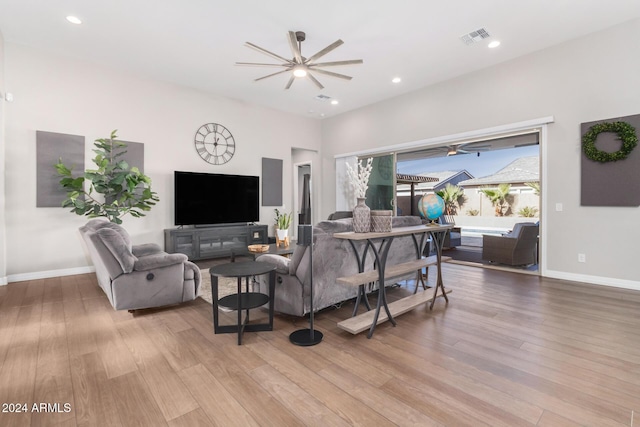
point(315, 81)
point(326, 50)
point(290, 82)
point(266, 52)
point(295, 49)
point(336, 63)
point(258, 64)
point(270, 75)
point(332, 74)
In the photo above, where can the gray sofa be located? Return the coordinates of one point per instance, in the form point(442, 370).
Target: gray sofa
point(137, 276)
point(332, 258)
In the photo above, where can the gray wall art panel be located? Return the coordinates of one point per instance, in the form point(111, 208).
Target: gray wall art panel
point(134, 154)
point(271, 182)
point(50, 147)
point(611, 183)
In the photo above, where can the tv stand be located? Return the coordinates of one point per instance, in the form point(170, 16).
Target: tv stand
point(214, 241)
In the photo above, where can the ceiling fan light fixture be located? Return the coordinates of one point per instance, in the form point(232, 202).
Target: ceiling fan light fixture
point(300, 71)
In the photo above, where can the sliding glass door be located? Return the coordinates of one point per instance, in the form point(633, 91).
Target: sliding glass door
point(381, 194)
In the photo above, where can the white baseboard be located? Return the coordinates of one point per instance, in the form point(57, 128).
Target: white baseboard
point(594, 280)
point(3, 281)
point(49, 273)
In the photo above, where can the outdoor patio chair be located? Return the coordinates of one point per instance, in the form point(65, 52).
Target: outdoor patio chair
point(519, 247)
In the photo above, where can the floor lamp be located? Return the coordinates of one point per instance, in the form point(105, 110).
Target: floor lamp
point(307, 337)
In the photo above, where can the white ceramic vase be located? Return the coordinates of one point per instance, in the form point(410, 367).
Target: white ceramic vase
point(361, 217)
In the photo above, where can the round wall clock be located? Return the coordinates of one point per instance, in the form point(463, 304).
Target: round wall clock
point(214, 143)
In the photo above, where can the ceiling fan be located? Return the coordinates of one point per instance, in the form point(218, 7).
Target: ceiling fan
point(454, 150)
point(299, 66)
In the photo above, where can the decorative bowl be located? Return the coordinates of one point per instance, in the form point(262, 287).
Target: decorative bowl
point(258, 248)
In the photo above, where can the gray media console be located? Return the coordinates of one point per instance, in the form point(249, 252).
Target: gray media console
point(213, 242)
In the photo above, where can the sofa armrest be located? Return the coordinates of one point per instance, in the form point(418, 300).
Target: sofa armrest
point(145, 249)
point(158, 260)
point(281, 263)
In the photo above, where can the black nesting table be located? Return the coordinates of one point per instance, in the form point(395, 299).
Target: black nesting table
point(242, 300)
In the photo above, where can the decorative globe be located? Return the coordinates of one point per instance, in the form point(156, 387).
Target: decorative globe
point(431, 206)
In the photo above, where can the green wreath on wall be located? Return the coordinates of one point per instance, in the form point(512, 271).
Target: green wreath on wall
point(626, 133)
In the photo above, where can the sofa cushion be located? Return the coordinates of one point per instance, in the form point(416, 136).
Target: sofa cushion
point(100, 223)
point(158, 260)
point(336, 226)
point(281, 263)
point(118, 247)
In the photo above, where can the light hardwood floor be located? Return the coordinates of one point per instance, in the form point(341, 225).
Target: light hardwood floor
point(508, 350)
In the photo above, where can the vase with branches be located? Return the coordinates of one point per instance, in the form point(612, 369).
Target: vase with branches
point(360, 183)
point(112, 190)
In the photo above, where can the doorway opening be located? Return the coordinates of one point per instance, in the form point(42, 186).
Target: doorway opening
point(492, 194)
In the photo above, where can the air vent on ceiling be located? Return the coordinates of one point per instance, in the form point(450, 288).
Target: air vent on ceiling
point(322, 97)
point(475, 36)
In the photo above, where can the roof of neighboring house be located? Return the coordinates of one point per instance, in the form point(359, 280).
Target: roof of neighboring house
point(524, 169)
point(402, 178)
point(443, 178)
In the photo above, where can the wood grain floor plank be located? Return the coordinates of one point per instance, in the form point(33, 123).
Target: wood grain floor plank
point(80, 327)
point(304, 376)
point(94, 398)
point(178, 356)
point(35, 292)
point(263, 407)
point(219, 405)
point(310, 411)
point(115, 355)
point(8, 318)
point(53, 375)
point(555, 383)
point(195, 418)
point(52, 290)
point(135, 402)
point(396, 411)
point(18, 372)
point(443, 383)
point(508, 349)
point(171, 395)
point(13, 295)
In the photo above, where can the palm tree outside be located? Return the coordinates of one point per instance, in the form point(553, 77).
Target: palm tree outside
point(498, 197)
point(453, 197)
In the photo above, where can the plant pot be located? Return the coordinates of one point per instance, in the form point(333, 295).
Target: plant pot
point(282, 237)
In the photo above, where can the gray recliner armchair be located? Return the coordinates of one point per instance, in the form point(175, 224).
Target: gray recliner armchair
point(138, 276)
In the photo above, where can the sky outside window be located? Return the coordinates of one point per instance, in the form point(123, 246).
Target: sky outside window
point(487, 163)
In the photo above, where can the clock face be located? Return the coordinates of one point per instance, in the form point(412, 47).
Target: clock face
point(214, 143)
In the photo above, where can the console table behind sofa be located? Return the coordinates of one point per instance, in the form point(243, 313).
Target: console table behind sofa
point(332, 258)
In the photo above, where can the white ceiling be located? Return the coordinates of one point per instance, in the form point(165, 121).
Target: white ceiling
point(197, 42)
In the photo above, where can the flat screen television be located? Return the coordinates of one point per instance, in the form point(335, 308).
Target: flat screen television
point(210, 199)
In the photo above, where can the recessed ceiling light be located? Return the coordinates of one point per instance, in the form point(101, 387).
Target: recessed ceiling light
point(74, 19)
point(493, 44)
point(334, 102)
point(396, 80)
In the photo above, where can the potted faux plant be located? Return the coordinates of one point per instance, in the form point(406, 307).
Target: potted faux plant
point(283, 222)
point(114, 189)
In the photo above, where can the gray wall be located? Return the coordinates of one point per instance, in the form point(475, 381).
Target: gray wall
point(3, 232)
point(591, 78)
point(67, 95)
